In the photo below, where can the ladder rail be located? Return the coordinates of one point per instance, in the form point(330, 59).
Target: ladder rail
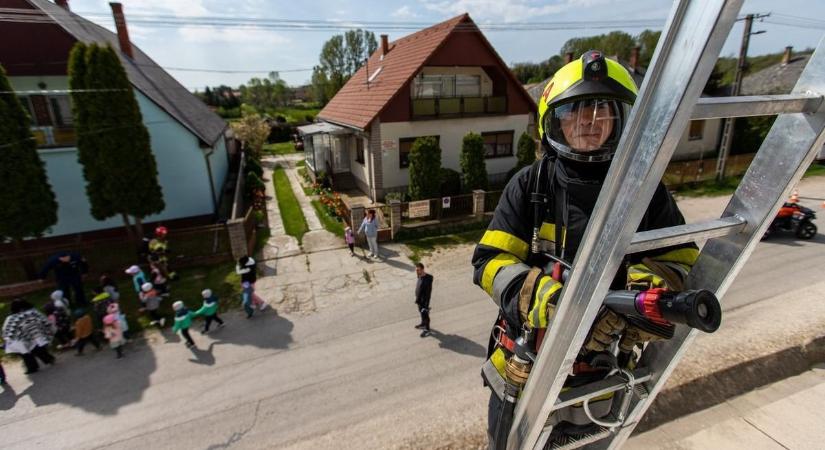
point(697, 31)
point(779, 159)
point(691, 232)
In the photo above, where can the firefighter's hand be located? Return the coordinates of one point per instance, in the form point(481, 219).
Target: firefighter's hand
point(606, 330)
point(543, 306)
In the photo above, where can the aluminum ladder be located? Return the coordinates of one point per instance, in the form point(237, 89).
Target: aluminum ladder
point(668, 99)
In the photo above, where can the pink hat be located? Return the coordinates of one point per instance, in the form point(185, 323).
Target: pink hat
point(109, 319)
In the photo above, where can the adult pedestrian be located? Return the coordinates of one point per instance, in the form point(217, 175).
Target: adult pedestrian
point(28, 333)
point(369, 226)
point(423, 291)
point(69, 268)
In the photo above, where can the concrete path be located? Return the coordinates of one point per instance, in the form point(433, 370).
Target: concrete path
point(783, 415)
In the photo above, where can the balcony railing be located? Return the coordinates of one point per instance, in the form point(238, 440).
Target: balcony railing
point(51, 137)
point(458, 106)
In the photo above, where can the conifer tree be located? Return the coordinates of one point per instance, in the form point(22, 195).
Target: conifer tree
point(425, 165)
point(473, 166)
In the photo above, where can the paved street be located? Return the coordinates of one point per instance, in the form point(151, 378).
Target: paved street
point(349, 371)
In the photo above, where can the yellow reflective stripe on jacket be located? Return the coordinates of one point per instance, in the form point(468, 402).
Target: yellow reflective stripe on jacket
point(506, 242)
point(682, 256)
point(492, 267)
point(537, 318)
point(640, 272)
point(548, 232)
point(499, 360)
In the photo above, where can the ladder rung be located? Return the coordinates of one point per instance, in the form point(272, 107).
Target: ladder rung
point(597, 388)
point(568, 443)
point(700, 231)
point(755, 105)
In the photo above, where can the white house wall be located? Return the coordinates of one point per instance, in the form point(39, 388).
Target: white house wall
point(699, 148)
point(181, 166)
point(359, 170)
point(451, 132)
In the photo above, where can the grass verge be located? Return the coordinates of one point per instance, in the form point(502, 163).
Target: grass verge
point(422, 247)
point(711, 188)
point(330, 223)
point(295, 223)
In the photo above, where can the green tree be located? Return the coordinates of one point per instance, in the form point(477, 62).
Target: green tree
point(647, 40)
point(115, 151)
point(341, 56)
point(471, 160)
point(29, 207)
point(265, 94)
point(526, 153)
point(252, 130)
point(425, 160)
point(615, 43)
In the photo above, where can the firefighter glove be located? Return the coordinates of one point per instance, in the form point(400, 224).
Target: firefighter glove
point(546, 294)
point(606, 330)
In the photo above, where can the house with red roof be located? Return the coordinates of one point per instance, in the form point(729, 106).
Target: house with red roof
point(444, 81)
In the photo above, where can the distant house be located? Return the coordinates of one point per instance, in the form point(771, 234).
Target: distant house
point(700, 139)
point(443, 81)
point(187, 138)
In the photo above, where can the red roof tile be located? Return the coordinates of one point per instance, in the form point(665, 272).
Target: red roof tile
point(356, 105)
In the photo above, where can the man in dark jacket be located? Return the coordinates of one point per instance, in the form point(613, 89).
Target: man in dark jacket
point(69, 268)
point(423, 290)
point(545, 208)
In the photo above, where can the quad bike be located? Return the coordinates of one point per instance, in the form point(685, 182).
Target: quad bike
point(795, 218)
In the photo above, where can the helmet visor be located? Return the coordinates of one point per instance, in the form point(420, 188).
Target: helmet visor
point(586, 129)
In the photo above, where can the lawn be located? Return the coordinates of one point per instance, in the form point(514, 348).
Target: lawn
point(280, 148)
point(425, 246)
point(331, 224)
point(294, 222)
point(220, 278)
point(711, 188)
point(295, 115)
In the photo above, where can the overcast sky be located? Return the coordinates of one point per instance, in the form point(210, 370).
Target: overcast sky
point(265, 50)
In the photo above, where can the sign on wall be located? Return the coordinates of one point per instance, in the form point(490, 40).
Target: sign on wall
point(445, 202)
point(387, 145)
point(419, 209)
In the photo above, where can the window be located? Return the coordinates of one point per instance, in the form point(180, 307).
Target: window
point(697, 130)
point(468, 86)
point(359, 150)
point(404, 147)
point(498, 144)
point(61, 110)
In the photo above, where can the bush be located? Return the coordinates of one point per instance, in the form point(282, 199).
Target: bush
point(526, 153)
point(280, 132)
point(253, 166)
point(253, 183)
point(472, 162)
point(393, 196)
point(425, 160)
point(450, 182)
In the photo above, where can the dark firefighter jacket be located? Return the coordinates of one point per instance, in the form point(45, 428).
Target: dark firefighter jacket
point(499, 260)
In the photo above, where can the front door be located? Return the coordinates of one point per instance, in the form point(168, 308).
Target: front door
point(340, 153)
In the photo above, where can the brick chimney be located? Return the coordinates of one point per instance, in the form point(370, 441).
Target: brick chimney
point(63, 4)
point(568, 57)
point(385, 44)
point(634, 57)
point(122, 32)
point(786, 58)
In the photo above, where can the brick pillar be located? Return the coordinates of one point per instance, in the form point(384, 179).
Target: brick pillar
point(478, 203)
point(395, 217)
point(356, 214)
point(237, 238)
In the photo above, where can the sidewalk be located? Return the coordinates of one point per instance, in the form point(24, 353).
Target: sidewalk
point(783, 415)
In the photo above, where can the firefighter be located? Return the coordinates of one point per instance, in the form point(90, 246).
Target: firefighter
point(545, 209)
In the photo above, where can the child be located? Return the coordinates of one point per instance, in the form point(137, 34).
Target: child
point(183, 320)
point(247, 268)
point(209, 310)
point(100, 303)
point(113, 332)
point(108, 285)
point(84, 331)
point(114, 308)
point(59, 300)
point(158, 280)
point(61, 323)
point(151, 303)
point(247, 293)
point(138, 277)
point(349, 237)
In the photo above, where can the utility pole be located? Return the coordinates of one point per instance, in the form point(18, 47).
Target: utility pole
point(727, 131)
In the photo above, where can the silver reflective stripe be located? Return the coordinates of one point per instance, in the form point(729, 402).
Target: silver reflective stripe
point(493, 379)
point(504, 277)
point(547, 246)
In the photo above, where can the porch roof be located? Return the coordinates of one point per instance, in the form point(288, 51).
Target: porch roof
point(321, 127)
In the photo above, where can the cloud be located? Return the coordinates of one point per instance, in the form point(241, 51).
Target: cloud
point(512, 11)
point(247, 35)
point(404, 12)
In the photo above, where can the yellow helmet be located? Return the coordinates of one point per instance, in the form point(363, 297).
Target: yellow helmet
point(584, 108)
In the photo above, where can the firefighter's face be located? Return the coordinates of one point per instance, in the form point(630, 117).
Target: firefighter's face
point(587, 126)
